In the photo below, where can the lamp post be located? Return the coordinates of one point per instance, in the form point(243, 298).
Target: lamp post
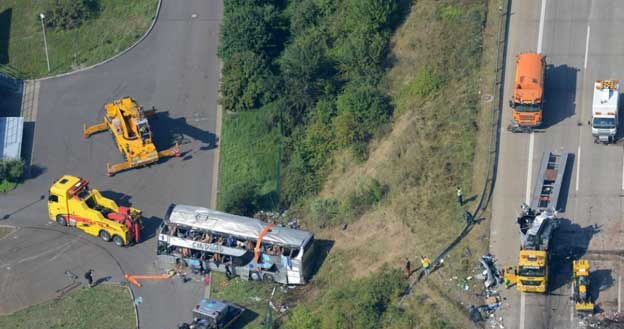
point(45, 42)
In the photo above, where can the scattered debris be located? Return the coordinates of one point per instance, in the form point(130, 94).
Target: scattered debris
point(493, 276)
point(138, 300)
point(280, 219)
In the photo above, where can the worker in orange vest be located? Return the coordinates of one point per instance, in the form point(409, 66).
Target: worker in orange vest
point(426, 263)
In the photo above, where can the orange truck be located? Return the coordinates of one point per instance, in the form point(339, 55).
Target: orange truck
point(527, 103)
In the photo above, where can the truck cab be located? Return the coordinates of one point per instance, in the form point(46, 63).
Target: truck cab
point(71, 202)
point(532, 274)
point(604, 121)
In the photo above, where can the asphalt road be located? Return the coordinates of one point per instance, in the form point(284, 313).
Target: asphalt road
point(175, 69)
point(581, 41)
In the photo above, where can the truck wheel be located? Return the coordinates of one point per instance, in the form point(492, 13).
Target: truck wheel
point(255, 276)
point(60, 219)
point(105, 235)
point(118, 241)
point(268, 278)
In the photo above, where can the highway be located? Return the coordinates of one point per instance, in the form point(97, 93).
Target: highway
point(581, 39)
point(175, 68)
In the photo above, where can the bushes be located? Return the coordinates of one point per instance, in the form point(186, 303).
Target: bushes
point(68, 14)
point(11, 170)
point(359, 304)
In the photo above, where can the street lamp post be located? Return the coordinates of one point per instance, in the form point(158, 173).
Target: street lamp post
point(45, 42)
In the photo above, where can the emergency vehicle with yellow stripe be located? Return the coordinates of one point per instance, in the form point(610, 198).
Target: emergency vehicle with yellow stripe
point(72, 202)
point(210, 240)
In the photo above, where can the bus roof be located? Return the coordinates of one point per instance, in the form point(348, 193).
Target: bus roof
point(244, 227)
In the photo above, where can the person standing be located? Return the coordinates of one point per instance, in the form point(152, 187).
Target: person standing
point(89, 277)
point(408, 267)
point(460, 198)
point(426, 263)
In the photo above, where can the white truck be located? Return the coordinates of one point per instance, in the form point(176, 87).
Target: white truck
point(605, 107)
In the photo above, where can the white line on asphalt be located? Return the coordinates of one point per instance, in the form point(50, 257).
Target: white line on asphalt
point(578, 168)
point(586, 48)
point(527, 195)
point(619, 294)
point(522, 310)
point(541, 27)
point(572, 307)
point(623, 175)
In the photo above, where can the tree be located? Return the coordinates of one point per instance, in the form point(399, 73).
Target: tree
point(68, 14)
point(251, 27)
point(247, 82)
point(12, 170)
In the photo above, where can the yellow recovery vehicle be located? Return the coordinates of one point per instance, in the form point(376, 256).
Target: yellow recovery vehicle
point(72, 203)
point(582, 296)
point(127, 121)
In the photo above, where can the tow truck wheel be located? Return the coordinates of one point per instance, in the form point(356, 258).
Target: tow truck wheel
point(118, 241)
point(268, 278)
point(105, 235)
point(60, 219)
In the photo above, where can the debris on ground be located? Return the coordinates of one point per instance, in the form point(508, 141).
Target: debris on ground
point(277, 218)
point(493, 276)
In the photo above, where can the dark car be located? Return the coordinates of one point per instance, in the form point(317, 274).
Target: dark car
point(213, 314)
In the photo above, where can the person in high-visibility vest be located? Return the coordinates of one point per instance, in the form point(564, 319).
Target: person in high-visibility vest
point(426, 263)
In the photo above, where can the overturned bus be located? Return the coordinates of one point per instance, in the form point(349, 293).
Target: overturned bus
point(210, 240)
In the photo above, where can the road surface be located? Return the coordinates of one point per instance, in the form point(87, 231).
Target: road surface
point(581, 41)
point(175, 69)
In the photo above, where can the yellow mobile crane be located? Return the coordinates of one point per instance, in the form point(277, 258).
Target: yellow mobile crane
point(127, 121)
point(582, 296)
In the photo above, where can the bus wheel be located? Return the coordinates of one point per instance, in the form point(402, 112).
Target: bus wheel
point(255, 276)
point(268, 278)
point(60, 219)
point(105, 235)
point(118, 241)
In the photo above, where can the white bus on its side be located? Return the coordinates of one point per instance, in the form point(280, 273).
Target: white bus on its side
point(207, 239)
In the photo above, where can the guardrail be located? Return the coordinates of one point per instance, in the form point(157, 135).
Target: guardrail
point(495, 120)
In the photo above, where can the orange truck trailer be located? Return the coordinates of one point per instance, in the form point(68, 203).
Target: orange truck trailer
point(527, 103)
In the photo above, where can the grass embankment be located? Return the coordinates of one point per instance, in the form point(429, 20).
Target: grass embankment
point(5, 230)
point(102, 307)
point(397, 193)
point(116, 25)
point(6, 185)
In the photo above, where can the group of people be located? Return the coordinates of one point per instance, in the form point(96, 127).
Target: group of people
point(424, 261)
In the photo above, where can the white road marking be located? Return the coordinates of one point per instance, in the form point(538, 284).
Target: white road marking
point(572, 307)
point(578, 168)
point(522, 310)
point(623, 175)
point(541, 27)
point(586, 48)
point(527, 195)
point(619, 293)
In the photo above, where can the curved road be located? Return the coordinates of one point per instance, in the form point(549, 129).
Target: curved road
point(174, 68)
point(581, 41)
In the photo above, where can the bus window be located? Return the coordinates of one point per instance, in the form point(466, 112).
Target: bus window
point(242, 260)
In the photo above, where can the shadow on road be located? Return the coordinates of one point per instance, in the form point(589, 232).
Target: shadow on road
point(560, 91)
point(8, 215)
point(168, 131)
point(599, 280)
point(562, 202)
point(570, 242)
point(120, 198)
point(245, 319)
point(150, 228)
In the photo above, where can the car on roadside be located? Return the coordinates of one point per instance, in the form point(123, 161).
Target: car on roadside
point(214, 314)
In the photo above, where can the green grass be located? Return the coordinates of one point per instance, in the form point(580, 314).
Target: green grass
point(249, 155)
point(252, 295)
point(118, 24)
point(4, 230)
point(6, 185)
point(102, 307)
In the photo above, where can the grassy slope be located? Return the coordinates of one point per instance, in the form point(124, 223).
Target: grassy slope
point(249, 153)
point(117, 26)
point(429, 152)
point(102, 307)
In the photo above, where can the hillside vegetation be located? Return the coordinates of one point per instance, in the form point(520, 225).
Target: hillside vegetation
point(365, 113)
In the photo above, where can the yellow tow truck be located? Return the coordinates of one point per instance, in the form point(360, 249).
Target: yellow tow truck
point(72, 203)
point(127, 121)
